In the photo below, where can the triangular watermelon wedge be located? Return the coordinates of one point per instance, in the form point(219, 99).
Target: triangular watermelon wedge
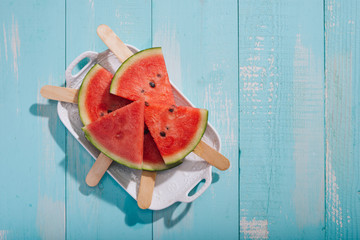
point(120, 134)
point(176, 130)
point(144, 76)
point(152, 160)
point(94, 99)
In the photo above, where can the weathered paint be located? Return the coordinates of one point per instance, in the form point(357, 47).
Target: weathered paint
point(254, 229)
point(32, 198)
point(342, 117)
point(289, 109)
point(15, 45)
point(308, 115)
point(281, 119)
point(5, 42)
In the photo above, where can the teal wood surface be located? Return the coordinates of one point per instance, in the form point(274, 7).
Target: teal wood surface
point(32, 179)
point(281, 83)
point(105, 211)
point(281, 119)
point(200, 48)
point(342, 119)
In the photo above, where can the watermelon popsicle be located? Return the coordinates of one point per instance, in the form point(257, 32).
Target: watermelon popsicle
point(202, 149)
point(147, 181)
point(96, 102)
point(120, 134)
point(95, 105)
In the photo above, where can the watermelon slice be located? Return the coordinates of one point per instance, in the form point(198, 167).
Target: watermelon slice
point(120, 134)
point(176, 130)
point(95, 101)
point(144, 76)
point(94, 98)
point(153, 160)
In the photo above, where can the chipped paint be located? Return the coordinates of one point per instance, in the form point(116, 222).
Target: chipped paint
point(340, 147)
point(91, 4)
point(333, 203)
point(254, 229)
point(3, 234)
point(50, 218)
point(308, 122)
point(15, 45)
point(117, 13)
point(342, 119)
point(48, 213)
point(5, 42)
point(339, 137)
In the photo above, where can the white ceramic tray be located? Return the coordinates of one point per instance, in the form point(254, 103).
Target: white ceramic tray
point(171, 185)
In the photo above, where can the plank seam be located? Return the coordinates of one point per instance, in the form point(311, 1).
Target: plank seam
point(325, 136)
point(66, 132)
point(238, 112)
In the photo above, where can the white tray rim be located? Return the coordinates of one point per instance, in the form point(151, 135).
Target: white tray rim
point(206, 172)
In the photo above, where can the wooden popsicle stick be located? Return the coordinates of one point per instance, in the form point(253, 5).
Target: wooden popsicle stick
point(98, 170)
point(212, 156)
point(59, 93)
point(146, 189)
point(118, 47)
point(122, 52)
point(70, 95)
point(203, 150)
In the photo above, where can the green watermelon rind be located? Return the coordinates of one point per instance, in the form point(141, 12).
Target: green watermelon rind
point(82, 94)
point(103, 149)
point(180, 155)
point(159, 167)
point(128, 62)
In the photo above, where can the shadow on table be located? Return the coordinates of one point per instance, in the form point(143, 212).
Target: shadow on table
point(108, 189)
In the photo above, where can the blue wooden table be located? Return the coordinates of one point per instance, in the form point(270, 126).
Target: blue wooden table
point(280, 79)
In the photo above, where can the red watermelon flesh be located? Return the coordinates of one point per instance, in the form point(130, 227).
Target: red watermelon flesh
point(120, 134)
point(95, 99)
point(144, 76)
point(152, 159)
point(176, 130)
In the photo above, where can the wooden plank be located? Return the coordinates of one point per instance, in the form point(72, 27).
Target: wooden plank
point(199, 41)
point(32, 181)
point(105, 211)
point(342, 119)
point(281, 119)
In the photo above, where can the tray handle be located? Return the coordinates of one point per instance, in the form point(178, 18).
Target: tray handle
point(68, 73)
point(186, 198)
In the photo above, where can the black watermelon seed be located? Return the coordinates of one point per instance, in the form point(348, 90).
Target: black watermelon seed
point(142, 90)
point(171, 109)
point(146, 131)
point(158, 75)
point(147, 104)
point(163, 134)
point(167, 128)
point(102, 114)
point(109, 111)
point(152, 84)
